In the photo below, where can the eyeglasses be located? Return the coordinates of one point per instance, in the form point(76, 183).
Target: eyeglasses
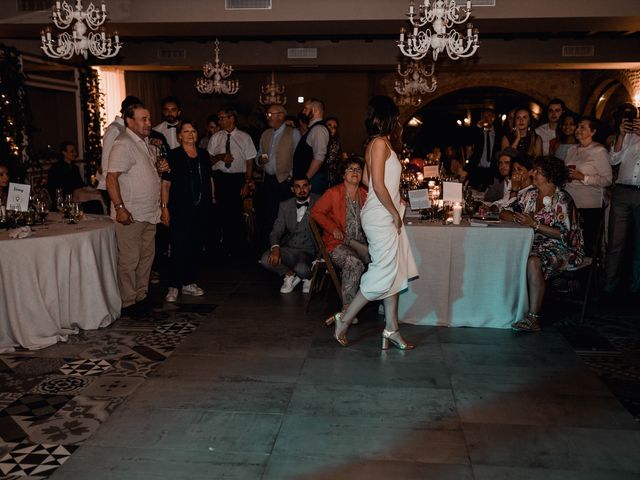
point(354, 170)
point(271, 114)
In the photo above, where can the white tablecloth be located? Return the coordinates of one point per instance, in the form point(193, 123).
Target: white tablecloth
point(469, 276)
point(59, 280)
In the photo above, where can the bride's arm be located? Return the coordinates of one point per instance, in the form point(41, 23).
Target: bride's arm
point(378, 153)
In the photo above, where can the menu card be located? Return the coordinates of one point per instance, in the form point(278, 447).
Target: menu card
point(431, 171)
point(452, 192)
point(18, 197)
point(419, 199)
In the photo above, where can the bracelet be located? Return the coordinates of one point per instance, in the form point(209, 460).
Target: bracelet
point(163, 205)
point(536, 226)
point(119, 206)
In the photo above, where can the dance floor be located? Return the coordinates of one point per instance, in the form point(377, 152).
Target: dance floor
point(257, 389)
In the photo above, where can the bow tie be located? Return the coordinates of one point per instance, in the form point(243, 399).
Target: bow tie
point(172, 126)
point(300, 205)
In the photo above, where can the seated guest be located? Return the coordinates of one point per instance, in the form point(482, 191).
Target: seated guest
point(4, 183)
point(589, 176)
point(521, 176)
point(185, 205)
point(499, 189)
point(523, 137)
point(292, 248)
point(338, 213)
point(65, 173)
point(565, 135)
point(557, 243)
point(452, 162)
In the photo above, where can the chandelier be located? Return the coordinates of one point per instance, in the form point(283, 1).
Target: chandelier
point(78, 42)
point(272, 93)
point(415, 80)
point(219, 72)
point(443, 15)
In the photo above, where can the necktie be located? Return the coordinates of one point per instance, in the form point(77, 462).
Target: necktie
point(227, 145)
point(303, 204)
point(172, 126)
point(487, 146)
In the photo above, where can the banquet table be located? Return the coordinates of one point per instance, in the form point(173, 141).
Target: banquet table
point(61, 279)
point(470, 276)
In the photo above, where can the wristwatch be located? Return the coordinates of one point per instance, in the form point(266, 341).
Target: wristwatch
point(163, 205)
point(119, 206)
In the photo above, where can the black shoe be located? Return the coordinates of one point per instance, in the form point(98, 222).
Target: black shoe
point(131, 311)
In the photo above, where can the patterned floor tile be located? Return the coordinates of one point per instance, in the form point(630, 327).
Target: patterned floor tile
point(11, 383)
point(85, 367)
point(38, 366)
point(113, 386)
point(62, 384)
point(38, 460)
point(34, 406)
point(178, 328)
point(62, 430)
point(95, 408)
point(161, 342)
point(7, 398)
point(137, 367)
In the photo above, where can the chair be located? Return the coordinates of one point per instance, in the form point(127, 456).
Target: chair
point(322, 267)
point(590, 266)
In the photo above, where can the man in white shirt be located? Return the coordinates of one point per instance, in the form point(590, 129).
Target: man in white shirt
point(133, 184)
point(114, 129)
point(625, 201)
point(547, 131)
point(232, 154)
point(171, 112)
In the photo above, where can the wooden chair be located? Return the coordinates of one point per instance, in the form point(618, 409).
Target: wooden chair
point(322, 267)
point(582, 280)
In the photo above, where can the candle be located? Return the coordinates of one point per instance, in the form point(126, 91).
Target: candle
point(411, 6)
point(432, 183)
point(57, 5)
point(402, 32)
point(457, 213)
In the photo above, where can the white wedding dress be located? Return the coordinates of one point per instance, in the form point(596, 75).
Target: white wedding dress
point(392, 263)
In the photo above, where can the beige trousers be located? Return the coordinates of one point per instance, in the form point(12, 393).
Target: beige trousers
point(136, 249)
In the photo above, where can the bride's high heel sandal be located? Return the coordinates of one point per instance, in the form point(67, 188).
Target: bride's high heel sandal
point(337, 319)
point(395, 339)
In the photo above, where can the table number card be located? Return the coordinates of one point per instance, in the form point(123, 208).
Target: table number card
point(419, 199)
point(18, 197)
point(452, 192)
point(431, 171)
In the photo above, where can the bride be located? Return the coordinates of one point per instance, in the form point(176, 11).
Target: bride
point(392, 264)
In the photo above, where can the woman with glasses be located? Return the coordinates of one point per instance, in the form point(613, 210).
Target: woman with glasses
point(338, 213)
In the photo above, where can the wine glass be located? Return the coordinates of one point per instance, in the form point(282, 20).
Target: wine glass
point(42, 210)
point(59, 199)
point(77, 212)
point(161, 154)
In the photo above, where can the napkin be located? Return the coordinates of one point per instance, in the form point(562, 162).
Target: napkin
point(21, 232)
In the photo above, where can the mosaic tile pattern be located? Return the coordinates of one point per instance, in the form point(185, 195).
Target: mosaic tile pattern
point(54, 399)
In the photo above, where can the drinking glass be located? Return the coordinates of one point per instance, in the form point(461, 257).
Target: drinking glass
point(77, 212)
point(160, 154)
point(42, 210)
point(59, 199)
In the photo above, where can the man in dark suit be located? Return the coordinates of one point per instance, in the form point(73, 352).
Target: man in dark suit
point(292, 249)
point(482, 164)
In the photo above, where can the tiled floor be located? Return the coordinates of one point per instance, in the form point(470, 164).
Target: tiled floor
point(260, 390)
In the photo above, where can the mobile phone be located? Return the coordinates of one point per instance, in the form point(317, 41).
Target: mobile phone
point(630, 114)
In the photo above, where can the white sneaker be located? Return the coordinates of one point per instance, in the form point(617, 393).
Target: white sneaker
point(172, 295)
point(192, 289)
point(306, 285)
point(289, 283)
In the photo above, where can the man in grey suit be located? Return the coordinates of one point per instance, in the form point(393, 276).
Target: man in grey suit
point(292, 249)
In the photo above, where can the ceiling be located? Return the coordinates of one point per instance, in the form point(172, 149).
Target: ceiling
point(349, 34)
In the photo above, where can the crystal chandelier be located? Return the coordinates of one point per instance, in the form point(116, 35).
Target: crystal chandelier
point(443, 15)
point(272, 93)
point(416, 79)
point(219, 72)
point(79, 43)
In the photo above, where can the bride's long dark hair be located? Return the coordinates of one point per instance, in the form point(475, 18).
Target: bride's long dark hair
point(382, 119)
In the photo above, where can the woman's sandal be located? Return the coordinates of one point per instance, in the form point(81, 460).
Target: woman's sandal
point(530, 323)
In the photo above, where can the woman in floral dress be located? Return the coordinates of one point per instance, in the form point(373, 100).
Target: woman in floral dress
point(557, 243)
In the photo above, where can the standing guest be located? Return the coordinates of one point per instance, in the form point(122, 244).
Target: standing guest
point(334, 152)
point(557, 243)
point(112, 131)
point(311, 152)
point(589, 176)
point(64, 174)
point(4, 183)
point(213, 126)
point(625, 201)
point(565, 135)
point(275, 157)
point(482, 164)
point(292, 247)
point(134, 187)
point(302, 123)
point(338, 213)
point(547, 131)
point(501, 186)
point(232, 154)
point(185, 204)
point(522, 137)
point(392, 264)
point(171, 112)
